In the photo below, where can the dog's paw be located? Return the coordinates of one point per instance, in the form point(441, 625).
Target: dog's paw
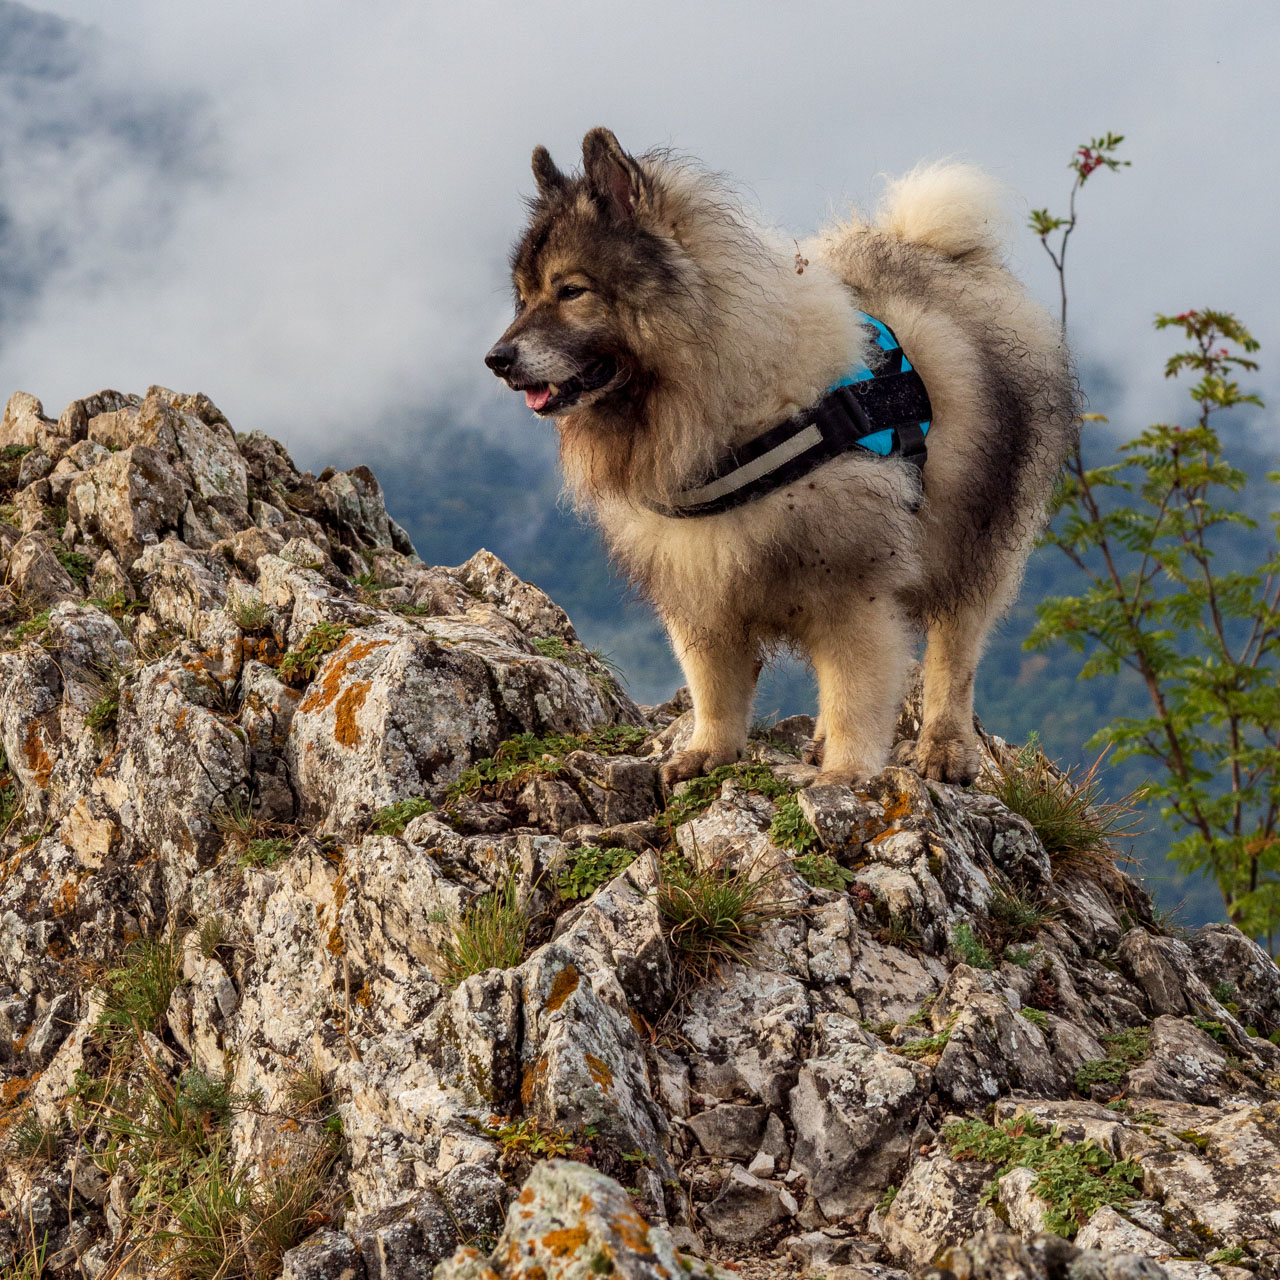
point(954, 760)
point(693, 764)
point(812, 753)
point(840, 778)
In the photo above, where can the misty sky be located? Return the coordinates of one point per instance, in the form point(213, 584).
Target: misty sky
point(303, 209)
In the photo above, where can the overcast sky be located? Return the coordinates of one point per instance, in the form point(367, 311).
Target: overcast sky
point(304, 208)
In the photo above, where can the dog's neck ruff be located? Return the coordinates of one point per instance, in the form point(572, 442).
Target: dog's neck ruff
point(884, 411)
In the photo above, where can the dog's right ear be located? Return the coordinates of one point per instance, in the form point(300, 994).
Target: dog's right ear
point(549, 178)
point(615, 177)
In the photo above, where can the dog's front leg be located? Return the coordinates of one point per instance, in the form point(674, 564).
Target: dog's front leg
point(861, 663)
point(722, 679)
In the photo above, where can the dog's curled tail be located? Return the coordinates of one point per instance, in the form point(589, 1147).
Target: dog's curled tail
point(956, 209)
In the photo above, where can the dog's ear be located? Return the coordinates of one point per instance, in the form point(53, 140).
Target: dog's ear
point(614, 177)
point(549, 178)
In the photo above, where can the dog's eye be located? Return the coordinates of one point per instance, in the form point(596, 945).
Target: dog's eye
point(570, 291)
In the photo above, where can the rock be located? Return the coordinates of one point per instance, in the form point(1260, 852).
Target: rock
point(854, 1112)
point(1186, 1065)
point(937, 1203)
point(745, 1208)
point(327, 1255)
point(994, 1255)
point(1026, 1210)
point(571, 1222)
point(731, 1130)
point(406, 1241)
point(129, 500)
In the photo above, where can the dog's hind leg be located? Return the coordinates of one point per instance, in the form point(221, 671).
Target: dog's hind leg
point(948, 747)
point(861, 665)
point(722, 681)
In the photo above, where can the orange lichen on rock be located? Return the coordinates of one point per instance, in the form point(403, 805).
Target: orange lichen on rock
point(35, 754)
point(65, 899)
point(534, 1073)
point(565, 1241)
point(327, 688)
point(345, 729)
point(525, 1197)
point(563, 986)
point(632, 1230)
point(600, 1071)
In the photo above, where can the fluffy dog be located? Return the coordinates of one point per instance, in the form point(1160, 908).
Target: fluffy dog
point(660, 328)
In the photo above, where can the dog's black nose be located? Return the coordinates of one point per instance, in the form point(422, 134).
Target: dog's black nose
point(502, 355)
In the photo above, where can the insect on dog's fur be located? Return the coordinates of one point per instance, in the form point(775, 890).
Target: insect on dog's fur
point(658, 327)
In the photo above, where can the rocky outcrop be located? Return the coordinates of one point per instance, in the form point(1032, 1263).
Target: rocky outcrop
point(345, 932)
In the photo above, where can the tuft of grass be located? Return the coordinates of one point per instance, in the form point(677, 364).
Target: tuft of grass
point(1074, 1178)
point(1127, 1049)
point(1037, 1017)
point(1224, 992)
point(212, 937)
point(301, 663)
point(715, 916)
point(102, 716)
point(137, 992)
point(589, 867)
point(392, 820)
point(306, 1091)
point(29, 1139)
point(1074, 823)
point(972, 950)
point(526, 755)
point(249, 613)
point(1017, 914)
point(490, 934)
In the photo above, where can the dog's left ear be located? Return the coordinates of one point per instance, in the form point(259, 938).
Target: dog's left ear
point(545, 173)
point(614, 177)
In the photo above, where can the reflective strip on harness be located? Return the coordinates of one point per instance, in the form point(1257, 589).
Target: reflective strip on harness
point(884, 411)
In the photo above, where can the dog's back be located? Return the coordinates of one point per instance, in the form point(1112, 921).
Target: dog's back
point(998, 373)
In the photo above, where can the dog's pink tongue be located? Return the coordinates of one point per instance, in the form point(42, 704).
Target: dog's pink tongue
point(536, 399)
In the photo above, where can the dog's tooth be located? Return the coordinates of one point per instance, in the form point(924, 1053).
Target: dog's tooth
point(551, 386)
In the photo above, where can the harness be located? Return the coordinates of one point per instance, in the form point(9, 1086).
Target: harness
point(884, 411)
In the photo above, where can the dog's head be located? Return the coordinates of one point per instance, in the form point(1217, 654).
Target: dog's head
point(584, 273)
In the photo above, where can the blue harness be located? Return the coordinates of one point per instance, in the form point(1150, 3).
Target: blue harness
point(884, 411)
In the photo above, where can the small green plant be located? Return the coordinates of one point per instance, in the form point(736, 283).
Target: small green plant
point(526, 756)
point(1224, 992)
point(489, 934)
point(926, 1048)
point(393, 819)
point(265, 852)
point(1127, 1049)
point(79, 566)
point(34, 628)
point(301, 663)
point(1021, 956)
point(900, 931)
point(972, 950)
point(552, 647)
point(1037, 1017)
point(588, 867)
point(1230, 1255)
point(885, 1203)
point(306, 1092)
point(528, 1139)
point(136, 993)
point(823, 872)
point(1212, 1028)
point(699, 793)
point(1075, 1178)
point(790, 829)
point(102, 716)
point(713, 915)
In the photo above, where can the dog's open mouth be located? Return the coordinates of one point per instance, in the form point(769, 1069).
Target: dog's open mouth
point(550, 397)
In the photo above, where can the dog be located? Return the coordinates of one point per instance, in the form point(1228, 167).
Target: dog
point(663, 332)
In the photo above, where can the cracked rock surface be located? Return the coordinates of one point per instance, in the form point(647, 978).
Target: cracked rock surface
point(265, 768)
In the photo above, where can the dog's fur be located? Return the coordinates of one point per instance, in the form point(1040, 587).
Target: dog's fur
point(673, 328)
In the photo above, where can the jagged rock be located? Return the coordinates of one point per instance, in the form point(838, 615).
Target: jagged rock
point(570, 1223)
point(854, 1112)
point(223, 753)
point(745, 1208)
point(994, 1255)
